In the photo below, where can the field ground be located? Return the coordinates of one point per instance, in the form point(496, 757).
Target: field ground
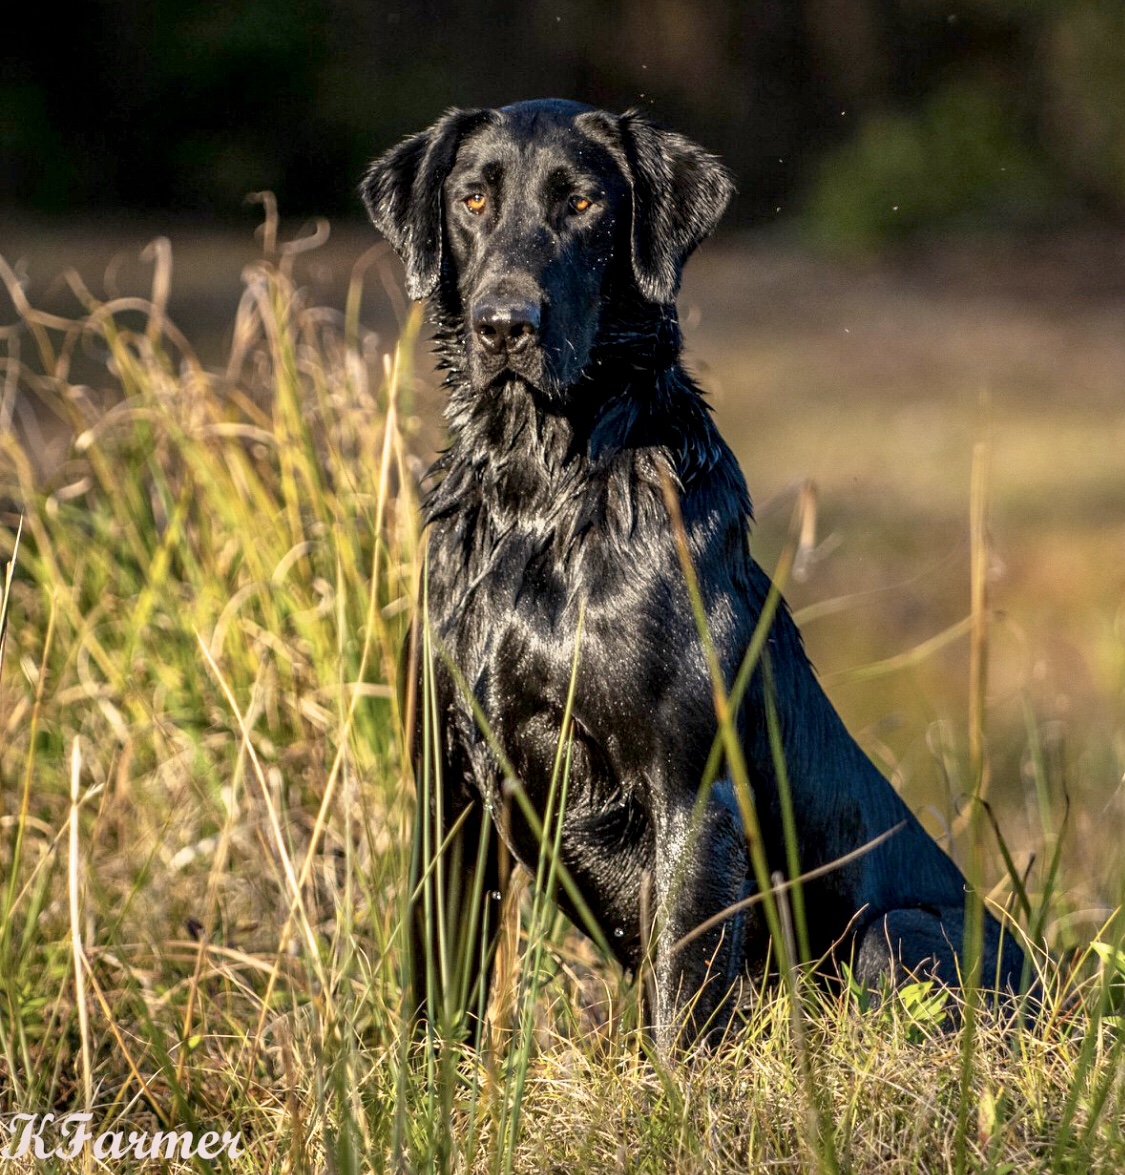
point(226, 981)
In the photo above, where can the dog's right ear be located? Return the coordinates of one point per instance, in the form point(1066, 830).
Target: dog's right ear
point(402, 194)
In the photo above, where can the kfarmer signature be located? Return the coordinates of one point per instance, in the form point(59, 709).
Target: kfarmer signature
point(30, 1138)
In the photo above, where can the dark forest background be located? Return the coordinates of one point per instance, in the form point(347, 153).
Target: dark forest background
point(869, 118)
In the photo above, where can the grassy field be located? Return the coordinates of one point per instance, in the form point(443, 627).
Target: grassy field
point(205, 851)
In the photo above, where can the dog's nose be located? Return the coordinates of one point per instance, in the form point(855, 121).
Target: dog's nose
point(505, 324)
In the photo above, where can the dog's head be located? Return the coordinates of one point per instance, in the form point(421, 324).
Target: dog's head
point(520, 218)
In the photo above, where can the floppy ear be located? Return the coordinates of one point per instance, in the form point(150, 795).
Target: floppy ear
point(402, 194)
point(680, 192)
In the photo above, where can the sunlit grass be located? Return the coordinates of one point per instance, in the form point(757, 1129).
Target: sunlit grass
point(205, 812)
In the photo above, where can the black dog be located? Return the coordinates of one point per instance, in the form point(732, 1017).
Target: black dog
point(550, 237)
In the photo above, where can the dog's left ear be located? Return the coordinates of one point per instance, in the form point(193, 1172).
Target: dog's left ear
point(402, 194)
point(680, 192)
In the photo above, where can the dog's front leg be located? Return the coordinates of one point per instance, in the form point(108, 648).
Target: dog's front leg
point(702, 870)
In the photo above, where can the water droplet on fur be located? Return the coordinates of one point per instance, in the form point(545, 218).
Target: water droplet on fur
point(619, 933)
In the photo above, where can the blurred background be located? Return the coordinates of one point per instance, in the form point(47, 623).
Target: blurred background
point(927, 251)
point(977, 113)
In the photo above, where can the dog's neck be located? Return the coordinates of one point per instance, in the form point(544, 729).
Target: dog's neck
point(636, 336)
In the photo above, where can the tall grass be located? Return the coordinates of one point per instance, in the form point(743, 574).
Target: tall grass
point(206, 859)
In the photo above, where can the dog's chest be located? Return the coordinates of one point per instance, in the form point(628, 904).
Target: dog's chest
point(510, 580)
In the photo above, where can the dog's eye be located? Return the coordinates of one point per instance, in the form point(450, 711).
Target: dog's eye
point(580, 204)
point(476, 202)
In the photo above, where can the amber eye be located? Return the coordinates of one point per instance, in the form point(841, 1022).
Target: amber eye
point(580, 203)
point(476, 202)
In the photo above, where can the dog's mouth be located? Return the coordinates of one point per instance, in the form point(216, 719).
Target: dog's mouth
point(505, 337)
point(545, 366)
point(535, 366)
point(517, 330)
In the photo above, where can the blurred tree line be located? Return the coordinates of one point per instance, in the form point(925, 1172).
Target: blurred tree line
point(872, 117)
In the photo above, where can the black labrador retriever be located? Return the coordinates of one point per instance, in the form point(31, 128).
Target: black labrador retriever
point(550, 237)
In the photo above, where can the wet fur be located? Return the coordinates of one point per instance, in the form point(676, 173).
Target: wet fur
point(550, 500)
